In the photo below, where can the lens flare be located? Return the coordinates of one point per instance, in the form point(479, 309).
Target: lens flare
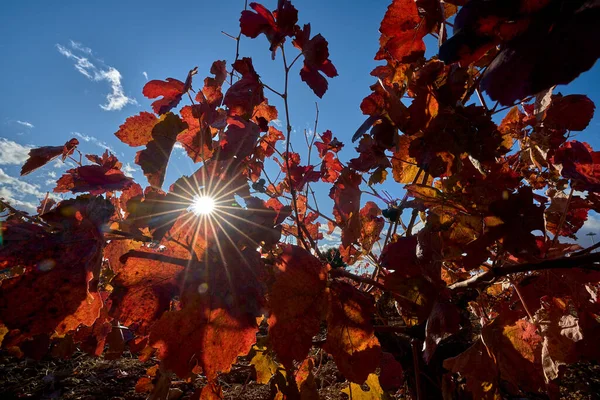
point(203, 205)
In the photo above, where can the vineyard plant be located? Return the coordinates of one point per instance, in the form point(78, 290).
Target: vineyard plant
point(475, 288)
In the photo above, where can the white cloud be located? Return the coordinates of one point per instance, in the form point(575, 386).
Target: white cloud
point(145, 75)
point(128, 170)
point(178, 146)
point(9, 197)
point(115, 100)
point(94, 140)
point(52, 174)
point(277, 122)
point(78, 46)
point(12, 152)
point(22, 187)
point(25, 123)
point(335, 237)
point(50, 182)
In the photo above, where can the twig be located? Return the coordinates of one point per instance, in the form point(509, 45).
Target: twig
point(127, 235)
point(287, 147)
point(488, 277)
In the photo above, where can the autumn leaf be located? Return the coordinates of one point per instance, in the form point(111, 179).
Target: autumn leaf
point(41, 156)
point(350, 335)
point(296, 301)
point(346, 196)
point(57, 290)
point(137, 130)
point(371, 225)
point(104, 176)
point(375, 392)
point(170, 90)
point(154, 158)
point(246, 93)
point(238, 139)
point(316, 60)
point(328, 144)
point(276, 25)
point(573, 112)
point(401, 33)
point(580, 164)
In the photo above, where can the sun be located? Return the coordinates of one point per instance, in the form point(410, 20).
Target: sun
point(203, 205)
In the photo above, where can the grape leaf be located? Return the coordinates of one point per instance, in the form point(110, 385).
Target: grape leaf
point(170, 90)
point(316, 60)
point(346, 196)
point(154, 158)
point(276, 26)
point(296, 300)
point(41, 156)
point(401, 33)
point(137, 130)
point(350, 335)
point(105, 176)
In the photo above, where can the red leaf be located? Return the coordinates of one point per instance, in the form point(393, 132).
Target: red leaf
point(328, 144)
point(573, 112)
point(217, 320)
point(276, 26)
point(43, 155)
point(443, 321)
point(154, 158)
point(316, 60)
point(57, 290)
point(104, 177)
point(245, 94)
point(371, 225)
point(401, 33)
point(346, 196)
point(580, 164)
point(331, 168)
point(296, 301)
point(350, 335)
point(171, 91)
point(238, 139)
point(137, 130)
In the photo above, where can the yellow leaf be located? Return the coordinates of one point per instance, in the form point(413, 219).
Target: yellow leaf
point(375, 391)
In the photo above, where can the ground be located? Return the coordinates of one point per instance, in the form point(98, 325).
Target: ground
point(91, 378)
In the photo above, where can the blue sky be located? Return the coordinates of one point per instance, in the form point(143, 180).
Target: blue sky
point(46, 100)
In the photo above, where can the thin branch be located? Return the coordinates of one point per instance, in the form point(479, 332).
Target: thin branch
point(287, 147)
point(127, 235)
point(585, 261)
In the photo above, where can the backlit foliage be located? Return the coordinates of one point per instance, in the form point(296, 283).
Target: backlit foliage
point(487, 300)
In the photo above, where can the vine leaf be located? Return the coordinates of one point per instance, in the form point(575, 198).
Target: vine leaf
point(154, 158)
point(41, 156)
point(170, 90)
point(276, 26)
point(104, 176)
point(350, 335)
point(401, 33)
point(296, 300)
point(316, 60)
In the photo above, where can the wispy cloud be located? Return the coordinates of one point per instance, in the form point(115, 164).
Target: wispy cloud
point(115, 100)
point(25, 123)
point(78, 46)
point(9, 196)
point(145, 75)
point(333, 239)
point(17, 192)
point(13, 153)
point(94, 140)
point(128, 170)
